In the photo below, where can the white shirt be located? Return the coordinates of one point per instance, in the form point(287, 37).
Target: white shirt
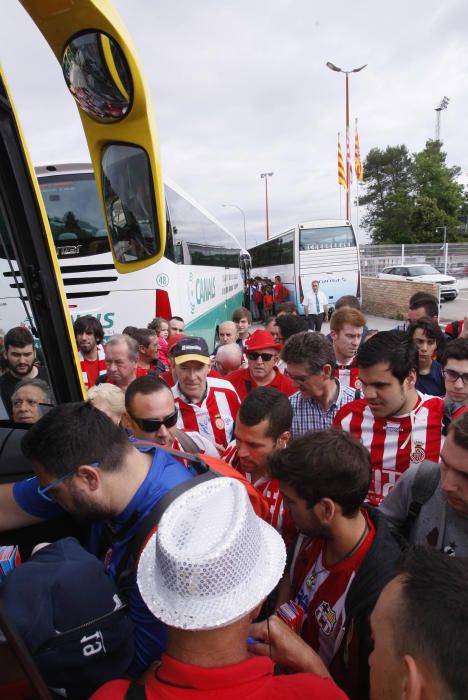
point(310, 302)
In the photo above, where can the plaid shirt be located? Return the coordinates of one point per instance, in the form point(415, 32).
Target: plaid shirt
point(309, 414)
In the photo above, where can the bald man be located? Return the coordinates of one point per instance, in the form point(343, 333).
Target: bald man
point(227, 333)
point(228, 358)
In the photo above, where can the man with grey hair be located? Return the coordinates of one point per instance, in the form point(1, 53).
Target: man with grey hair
point(310, 362)
point(122, 353)
point(227, 333)
point(27, 398)
point(228, 358)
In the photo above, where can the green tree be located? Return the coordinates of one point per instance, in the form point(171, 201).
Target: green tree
point(388, 186)
point(409, 197)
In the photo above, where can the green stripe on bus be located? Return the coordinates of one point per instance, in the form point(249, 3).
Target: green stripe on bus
point(205, 325)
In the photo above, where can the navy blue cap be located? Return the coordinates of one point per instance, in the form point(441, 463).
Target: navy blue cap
point(69, 614)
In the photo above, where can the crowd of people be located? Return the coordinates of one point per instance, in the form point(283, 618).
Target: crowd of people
point(286, 512)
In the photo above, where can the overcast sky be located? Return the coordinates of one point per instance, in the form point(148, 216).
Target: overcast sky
point(240, 88)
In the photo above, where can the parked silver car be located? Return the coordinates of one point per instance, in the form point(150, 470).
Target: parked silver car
point(423, 273)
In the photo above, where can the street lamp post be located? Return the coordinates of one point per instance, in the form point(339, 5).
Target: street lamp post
point(443, 104)
point(266, 176)
point(332, 66)
point(243, 214)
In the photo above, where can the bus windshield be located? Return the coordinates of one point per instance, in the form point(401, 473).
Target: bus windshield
point(75, 215)
point(329, 237)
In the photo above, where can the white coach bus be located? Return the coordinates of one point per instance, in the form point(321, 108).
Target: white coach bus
point(200, 276)
point(324, 250)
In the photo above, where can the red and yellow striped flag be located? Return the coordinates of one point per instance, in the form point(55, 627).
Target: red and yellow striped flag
point(341, 168)
point(357, 158)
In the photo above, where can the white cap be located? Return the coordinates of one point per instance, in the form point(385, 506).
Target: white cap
point(212, 560)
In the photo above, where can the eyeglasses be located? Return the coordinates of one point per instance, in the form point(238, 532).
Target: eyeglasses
point(266, 356)
point(46, 491)
point(453, 376)
point(299, 380)
point(152, 425)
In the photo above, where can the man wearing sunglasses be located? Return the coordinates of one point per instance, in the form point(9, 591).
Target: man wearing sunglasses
point(262, 356)
point(454, 363)
point(151, 414)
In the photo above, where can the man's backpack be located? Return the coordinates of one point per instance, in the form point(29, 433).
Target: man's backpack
point(206, 468)
point(424, 485)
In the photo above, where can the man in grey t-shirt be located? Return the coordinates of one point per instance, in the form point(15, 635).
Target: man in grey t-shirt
point(442, 521)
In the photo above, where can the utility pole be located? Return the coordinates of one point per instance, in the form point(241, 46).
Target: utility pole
point(266, 176)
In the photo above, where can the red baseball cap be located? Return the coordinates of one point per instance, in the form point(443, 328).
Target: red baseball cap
point(173, 340)
point(261, 340)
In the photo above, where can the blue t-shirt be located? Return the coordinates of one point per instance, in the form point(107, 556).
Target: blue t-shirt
point(165, 473)
point(432, 383)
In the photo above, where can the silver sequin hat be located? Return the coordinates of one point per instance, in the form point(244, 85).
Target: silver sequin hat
point(212, 559)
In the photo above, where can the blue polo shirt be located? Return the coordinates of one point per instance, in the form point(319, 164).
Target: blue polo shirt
point(165, 473)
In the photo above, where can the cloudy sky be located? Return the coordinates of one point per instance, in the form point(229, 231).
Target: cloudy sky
point(240, 88)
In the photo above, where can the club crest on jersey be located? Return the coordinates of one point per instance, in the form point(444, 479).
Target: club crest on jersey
point(326, 617)
point(358, 384)
point(419, 453)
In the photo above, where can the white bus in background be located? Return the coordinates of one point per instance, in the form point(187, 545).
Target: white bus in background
point(200, 277)
point(325, 250)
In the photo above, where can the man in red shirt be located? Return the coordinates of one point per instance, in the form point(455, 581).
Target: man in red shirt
point(121, 361)
point(262, 355)
point(344, 555)
point(89, 335)
point(396, 423)
point(208, 597)
point(148, 351)
point(280, 292)
point(346, 329)
point(262, 426)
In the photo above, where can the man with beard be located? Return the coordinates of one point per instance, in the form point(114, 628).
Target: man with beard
point(89, 335)
point(262, 426)
point(345, 553)
point(399, 425)
point(20, 356)
point(85, 465)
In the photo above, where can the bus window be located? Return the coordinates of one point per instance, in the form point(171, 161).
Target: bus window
point(75, 215)
point(329, 237)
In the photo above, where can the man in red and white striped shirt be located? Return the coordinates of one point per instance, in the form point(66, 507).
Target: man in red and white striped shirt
point(398, 425)
point(262, 426)
point(344, 555)
point(89, 334)
point(346, 329)
point(206, 404)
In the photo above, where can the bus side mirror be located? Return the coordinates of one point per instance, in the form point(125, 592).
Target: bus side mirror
point(129, 203)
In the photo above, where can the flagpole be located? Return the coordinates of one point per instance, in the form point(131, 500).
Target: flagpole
point(339, 185)
point(348, 164)
point(357, 181)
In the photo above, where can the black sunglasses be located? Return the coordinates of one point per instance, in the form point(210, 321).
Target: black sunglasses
point(266, 356)
point(152, 425)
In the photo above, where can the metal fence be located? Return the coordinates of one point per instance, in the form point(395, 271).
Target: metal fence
point(449, 258)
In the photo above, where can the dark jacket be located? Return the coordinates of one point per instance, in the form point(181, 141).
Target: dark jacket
point(350, 667)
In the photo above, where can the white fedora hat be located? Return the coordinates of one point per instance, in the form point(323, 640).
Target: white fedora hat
point(212, 559)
